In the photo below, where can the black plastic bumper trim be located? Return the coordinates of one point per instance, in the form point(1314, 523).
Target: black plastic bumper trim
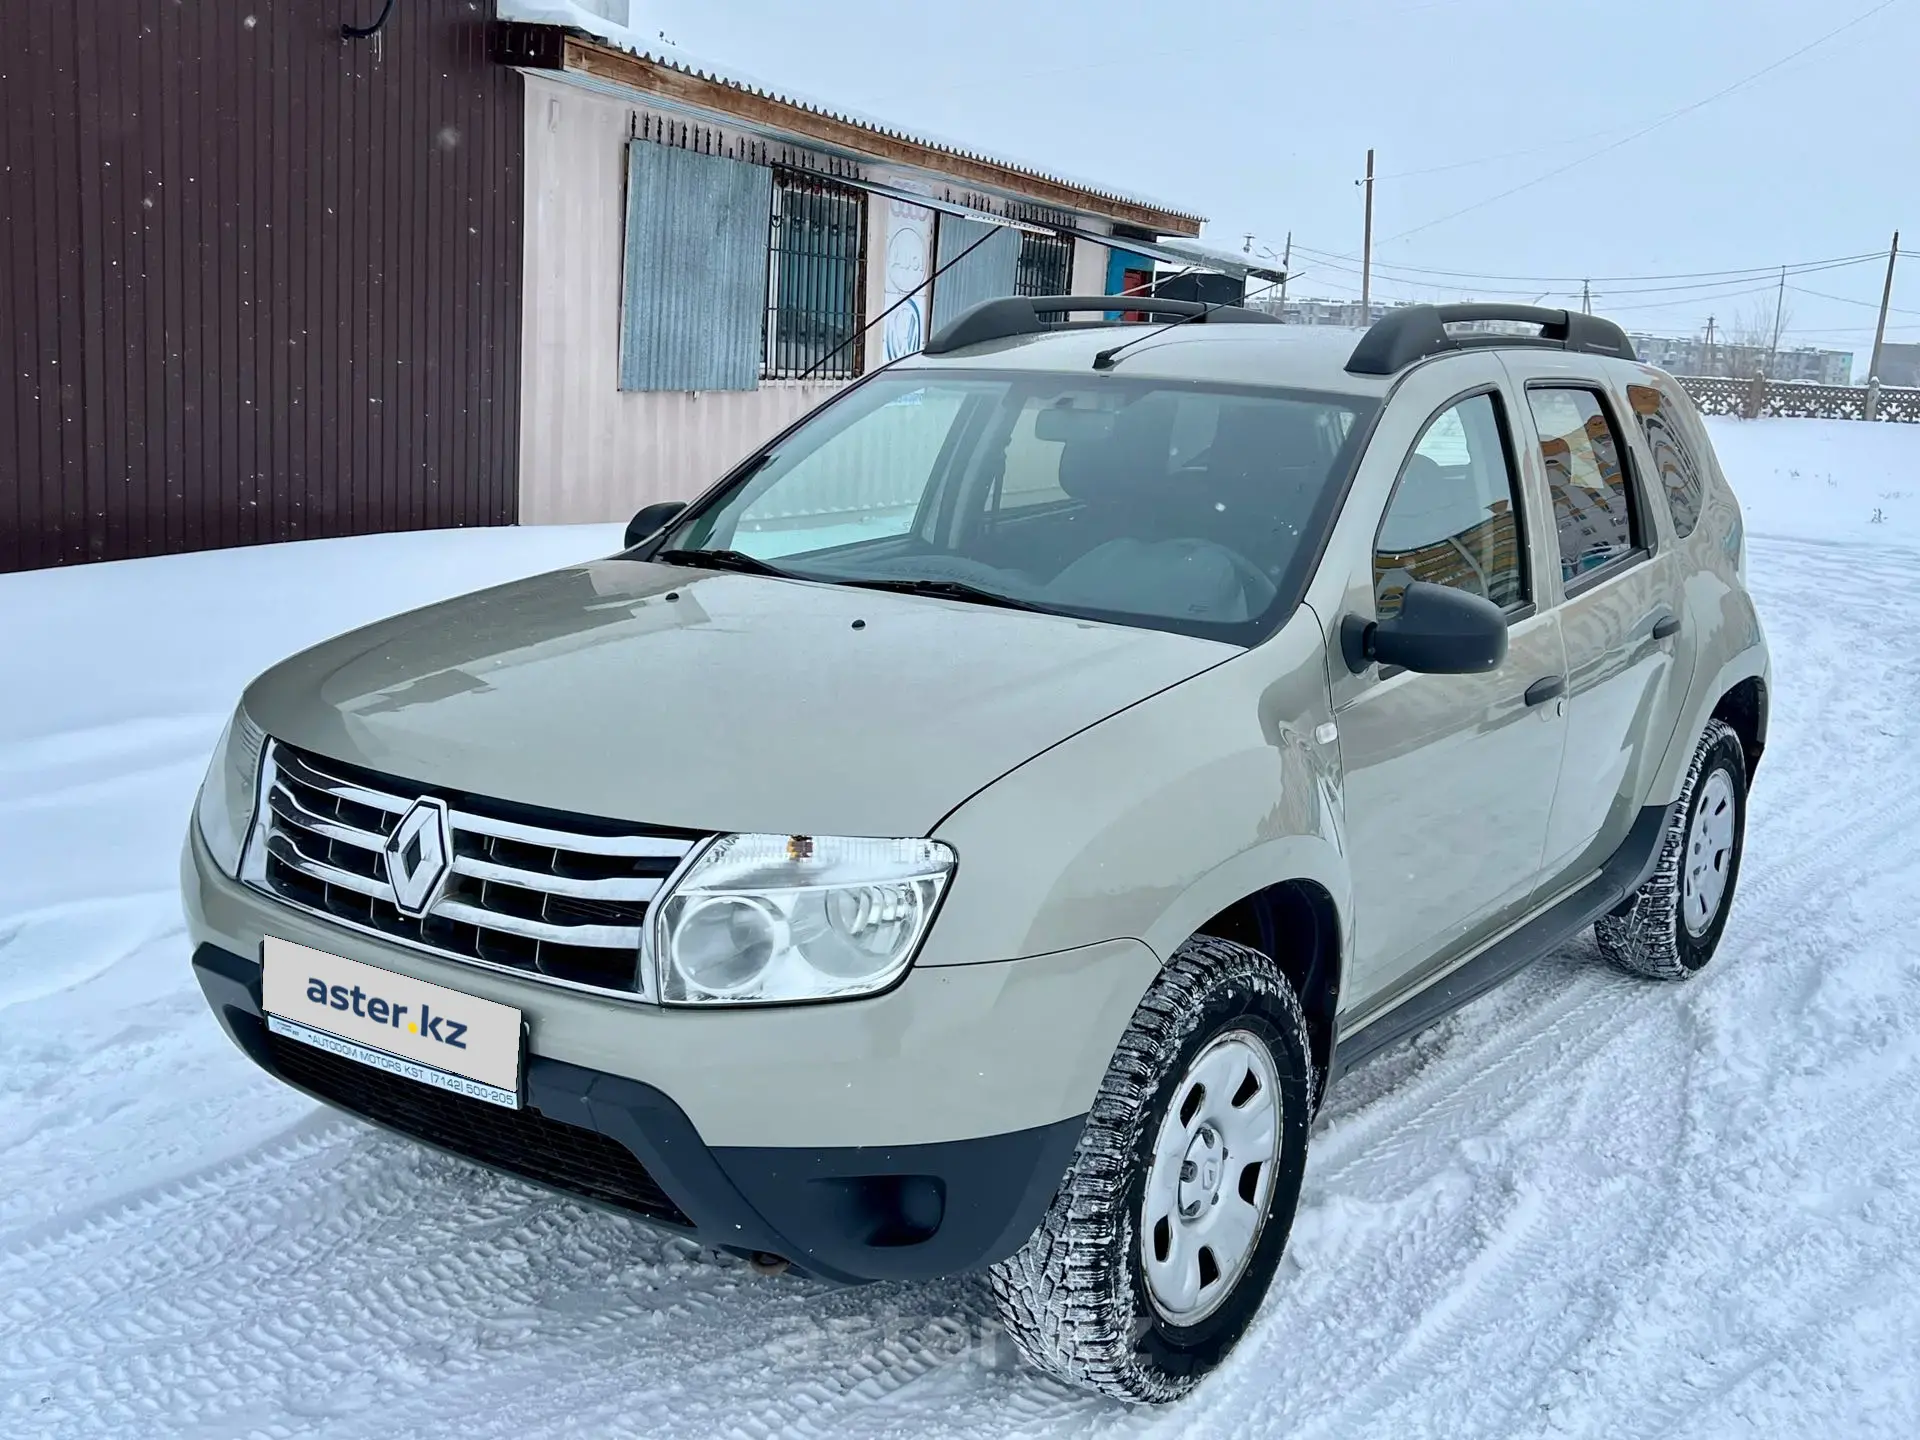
point(848, 1214)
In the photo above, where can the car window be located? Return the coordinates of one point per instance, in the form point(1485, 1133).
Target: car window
point(1454, 517)
point(1032, 473)
point(860, 482)
point(1174, 505)
point(1586, 479)
point(1673, 462)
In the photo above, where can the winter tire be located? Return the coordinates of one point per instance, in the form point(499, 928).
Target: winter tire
point(1671, 926)
point(1165, 1234)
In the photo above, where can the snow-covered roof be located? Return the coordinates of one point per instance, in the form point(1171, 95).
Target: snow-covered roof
point(598, 18)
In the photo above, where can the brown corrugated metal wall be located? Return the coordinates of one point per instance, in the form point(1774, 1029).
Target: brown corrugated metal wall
point(256, 282)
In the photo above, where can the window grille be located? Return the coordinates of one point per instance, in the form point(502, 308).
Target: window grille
point(816, 280)
point(1046, 265)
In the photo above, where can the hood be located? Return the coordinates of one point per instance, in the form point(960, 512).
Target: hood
point(709, 701)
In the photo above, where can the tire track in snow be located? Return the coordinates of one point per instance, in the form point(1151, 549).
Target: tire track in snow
point(237, 1294)
point(1573, 1208)
point(1819, 859)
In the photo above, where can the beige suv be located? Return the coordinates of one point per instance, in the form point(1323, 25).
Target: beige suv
point(974, 833)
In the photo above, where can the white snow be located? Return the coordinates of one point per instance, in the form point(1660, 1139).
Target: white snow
point(1586, 1206)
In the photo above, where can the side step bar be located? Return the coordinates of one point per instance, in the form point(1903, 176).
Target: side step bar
point(1625, 871)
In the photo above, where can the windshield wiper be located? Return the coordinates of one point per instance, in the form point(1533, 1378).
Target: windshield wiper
point(722, 560)
point(947, 590)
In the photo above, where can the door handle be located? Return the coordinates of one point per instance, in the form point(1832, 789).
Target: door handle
point(1551, 687)
point(1666, 627)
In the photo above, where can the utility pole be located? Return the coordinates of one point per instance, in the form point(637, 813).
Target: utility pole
point(1586, 296)
point(1286, 272)
point(1779, 312)
point(1366, 252)
point(1880, 333)
point(1712, 369)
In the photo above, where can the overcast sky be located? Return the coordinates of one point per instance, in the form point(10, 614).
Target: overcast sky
point(1258, 116)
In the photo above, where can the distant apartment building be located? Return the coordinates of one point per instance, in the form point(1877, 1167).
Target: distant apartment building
point(1900, 366)
point(1347, 313)
point(1692, 355)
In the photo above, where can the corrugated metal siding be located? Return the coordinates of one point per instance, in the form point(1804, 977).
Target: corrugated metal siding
point(986, 274)
point(255, 283)
point(695, 272)
point(589, 450)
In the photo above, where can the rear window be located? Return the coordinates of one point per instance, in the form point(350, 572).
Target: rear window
point(1665, 430)
point(1593, 510)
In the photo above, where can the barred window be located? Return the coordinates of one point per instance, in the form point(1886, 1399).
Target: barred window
point(816, 279)
point(1046, 265)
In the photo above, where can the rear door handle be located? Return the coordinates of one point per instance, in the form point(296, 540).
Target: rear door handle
point(1552, 687)
point(1666, 627)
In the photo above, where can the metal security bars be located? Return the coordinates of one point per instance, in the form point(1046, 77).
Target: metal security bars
point(816, 279)
point(1045, 266)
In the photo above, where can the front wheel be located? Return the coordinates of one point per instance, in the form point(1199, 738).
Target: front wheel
point(1671, 925)
point(1166, 1232)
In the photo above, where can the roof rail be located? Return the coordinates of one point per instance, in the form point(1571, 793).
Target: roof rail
point(1021, 315)
point(1416, 331)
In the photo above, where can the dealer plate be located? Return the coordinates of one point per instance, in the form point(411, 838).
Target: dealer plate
point(393, 1022)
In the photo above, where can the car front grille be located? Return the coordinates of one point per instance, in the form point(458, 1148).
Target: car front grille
point(560, 897)
point(523, 1142)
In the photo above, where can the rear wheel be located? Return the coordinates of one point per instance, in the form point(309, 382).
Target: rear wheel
point(1166, 1232)
point(1671, 926)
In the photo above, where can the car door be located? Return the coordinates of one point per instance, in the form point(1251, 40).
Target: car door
point(1619, 603)
point(1449, 778)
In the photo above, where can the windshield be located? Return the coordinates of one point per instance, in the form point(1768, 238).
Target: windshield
point(1170, 505)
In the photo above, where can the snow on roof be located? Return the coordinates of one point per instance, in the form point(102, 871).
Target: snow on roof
point(597, 18)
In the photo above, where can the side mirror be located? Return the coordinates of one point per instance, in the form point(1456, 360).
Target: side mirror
point(651, 518)
point(1439, 631)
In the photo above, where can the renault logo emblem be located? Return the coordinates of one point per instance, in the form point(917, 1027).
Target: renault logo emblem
point(419, 854)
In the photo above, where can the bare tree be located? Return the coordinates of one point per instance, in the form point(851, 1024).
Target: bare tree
point(1750, 343)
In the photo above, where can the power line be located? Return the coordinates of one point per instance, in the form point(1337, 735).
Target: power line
point(1848, 300)
point(1611, 309)
point(1504, 155)
point(1644, 130)
point(1685, 294)
point(1794, 267)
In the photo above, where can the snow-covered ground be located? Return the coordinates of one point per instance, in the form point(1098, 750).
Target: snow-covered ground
point(1585, 1206)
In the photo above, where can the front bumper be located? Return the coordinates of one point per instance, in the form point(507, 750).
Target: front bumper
point(844, 1213)
point(951, 1053)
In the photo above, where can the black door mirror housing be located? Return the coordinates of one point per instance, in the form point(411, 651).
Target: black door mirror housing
point(1439, 631)
point(650, 519)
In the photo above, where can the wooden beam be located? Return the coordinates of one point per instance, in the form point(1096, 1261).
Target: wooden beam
point(725, 101)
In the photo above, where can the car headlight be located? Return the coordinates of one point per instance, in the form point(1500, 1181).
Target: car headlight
point(761, 919)
point(224, 811)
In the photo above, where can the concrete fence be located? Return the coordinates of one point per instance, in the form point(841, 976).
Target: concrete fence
point(1791, 399)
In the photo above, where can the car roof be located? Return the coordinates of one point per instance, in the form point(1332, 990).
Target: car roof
point(1293, 357)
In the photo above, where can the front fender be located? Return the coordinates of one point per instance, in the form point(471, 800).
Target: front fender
point(1149, 823)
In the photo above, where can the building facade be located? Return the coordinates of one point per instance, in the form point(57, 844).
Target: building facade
point(257, 281)
point(1693, 355)
point(261, 280)
point(1900, 366)
point(707, 260)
